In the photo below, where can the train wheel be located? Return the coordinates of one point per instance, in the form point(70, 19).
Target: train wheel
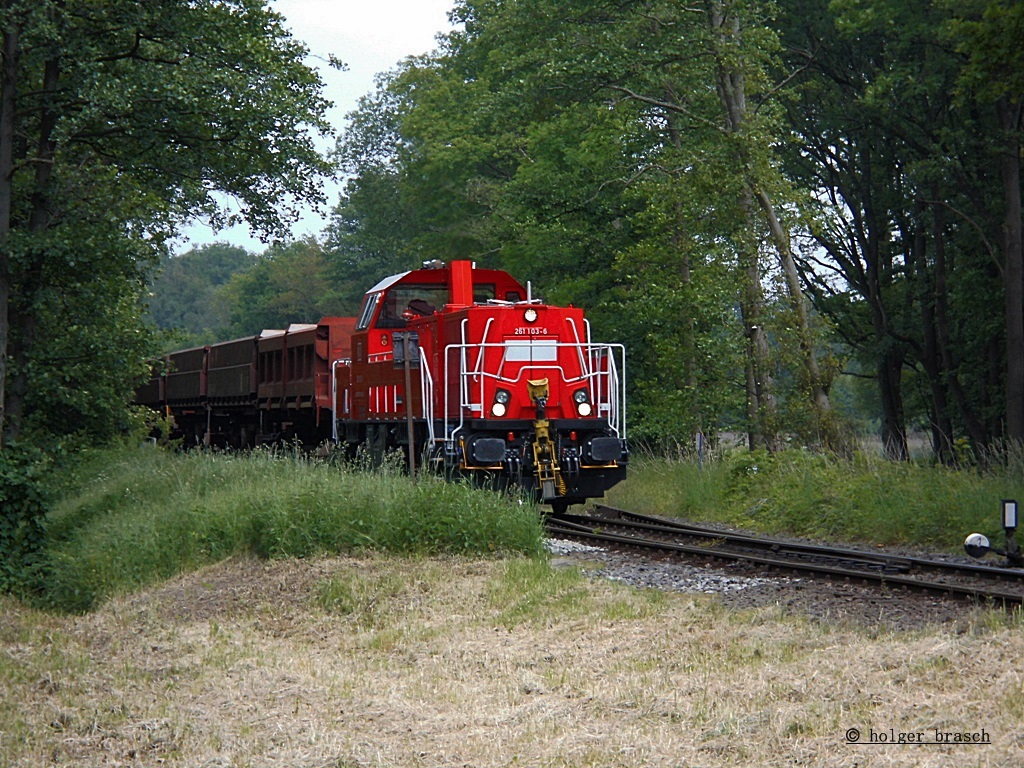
point(559, 506)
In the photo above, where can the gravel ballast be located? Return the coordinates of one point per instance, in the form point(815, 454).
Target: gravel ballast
point(742, 586)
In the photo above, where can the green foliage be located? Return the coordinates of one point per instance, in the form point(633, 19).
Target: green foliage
point(130, 118)
point(796, 492)
point(610, 154)
point(988, 33)
point(88, 354)
point(183, 295)
point(289, 283)
point(896, 131)
point(231, 105)
point(132, 517)
point(581, 148)
point(24, 503)
point(367, 238)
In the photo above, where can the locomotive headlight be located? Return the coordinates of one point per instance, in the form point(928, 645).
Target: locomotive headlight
point(530, 315)
point(501, 401)
point(582, 400)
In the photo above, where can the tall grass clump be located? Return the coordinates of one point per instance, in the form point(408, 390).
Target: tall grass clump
point(802, 493)
point(673, 486)
point(130, 518)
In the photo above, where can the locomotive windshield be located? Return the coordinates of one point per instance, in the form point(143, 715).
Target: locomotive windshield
point(406, 302)
point(369, 307)
point(403, 302)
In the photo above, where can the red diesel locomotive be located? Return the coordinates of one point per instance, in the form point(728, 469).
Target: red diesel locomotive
point(457, 366)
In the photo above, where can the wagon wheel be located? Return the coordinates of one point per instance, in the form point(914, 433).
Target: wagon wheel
point(559, 506)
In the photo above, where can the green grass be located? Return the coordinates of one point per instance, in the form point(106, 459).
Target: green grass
point(359, 596)
point(864, 499)
point(130, 518)
point(531, 591)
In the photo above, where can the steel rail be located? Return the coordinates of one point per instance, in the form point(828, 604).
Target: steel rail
point(714, 537)
point(593, 529)
point(903, 562)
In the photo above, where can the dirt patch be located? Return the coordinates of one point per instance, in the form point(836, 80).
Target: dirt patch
point(245, 587)
point(374, 662)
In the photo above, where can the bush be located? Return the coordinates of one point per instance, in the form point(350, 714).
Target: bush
point(23, 507)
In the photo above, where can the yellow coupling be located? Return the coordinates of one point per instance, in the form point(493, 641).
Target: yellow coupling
point(545, 465)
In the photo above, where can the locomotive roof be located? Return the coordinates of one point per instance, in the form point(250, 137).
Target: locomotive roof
point(387, 282)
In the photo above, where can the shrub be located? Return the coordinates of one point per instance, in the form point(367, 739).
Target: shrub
point(24, 503)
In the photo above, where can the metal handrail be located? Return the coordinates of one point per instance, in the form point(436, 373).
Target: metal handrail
point(334, 395)
point(607, 383)
point(427, 398)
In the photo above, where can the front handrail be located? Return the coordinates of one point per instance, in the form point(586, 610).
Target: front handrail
point(605, 377)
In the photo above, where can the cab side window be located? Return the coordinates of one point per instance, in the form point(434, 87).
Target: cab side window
point(366, 315)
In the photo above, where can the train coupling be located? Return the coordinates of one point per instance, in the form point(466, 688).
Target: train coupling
point(545, 463)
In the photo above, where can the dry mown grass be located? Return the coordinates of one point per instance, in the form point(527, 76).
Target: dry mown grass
point(381, 662)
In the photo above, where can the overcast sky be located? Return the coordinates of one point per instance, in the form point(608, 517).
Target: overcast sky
point(370, 37)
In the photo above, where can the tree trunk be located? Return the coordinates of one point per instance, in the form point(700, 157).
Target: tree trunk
point(942, 425)
point(687, 378)
point(8, 81)
point(947, 349)
point(761, 406)
point(1013, 268)
point(761, 411)
point(815, 383)
point(892, 354)
point(890, 385)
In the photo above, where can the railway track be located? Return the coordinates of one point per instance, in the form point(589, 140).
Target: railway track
point(621, 528)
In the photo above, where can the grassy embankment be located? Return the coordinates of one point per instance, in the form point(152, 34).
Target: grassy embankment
point(409, 661)
point(132, 517)
point(867, 499)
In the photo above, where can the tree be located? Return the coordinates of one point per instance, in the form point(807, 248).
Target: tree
point(989, 35)
point(182, 294)
point(117, 120)
point(897, 146)
point(286, 285)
